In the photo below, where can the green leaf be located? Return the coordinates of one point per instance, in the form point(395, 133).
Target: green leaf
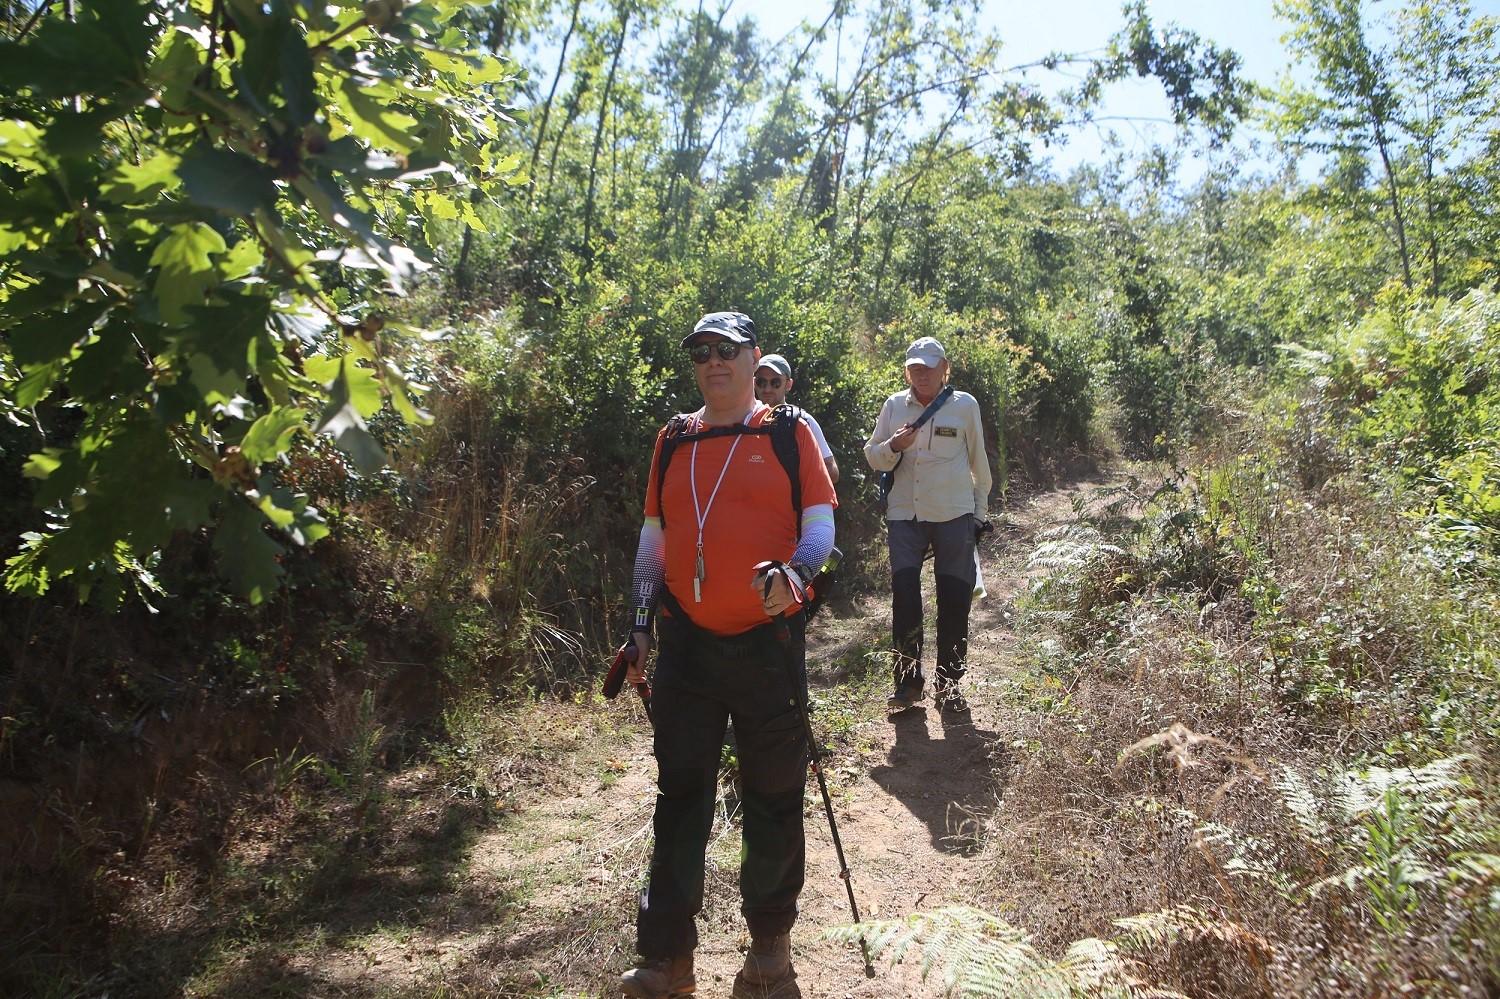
point(228, 181)
point(26, 574)
point(43, 463)
point(260, 68)
point(38, 383)
point(247, 556)
point(60, 471)
point(66, 58)
point(77, 133)
point(106, 367)
point(128, 23)
point(188, 504)
point(363, 388)
point(218, 340)
point(21, 144)
point(298, 86)
point(11, 240)
point(106, 271)
point(343, 424)
point(270, 435)
point(437, 206)
point(375, 122)
point(323, 370)
point(342, 419)
point(178, 62)
point(330, 203)
point(293, 513)
point(347, 381)
point(212, 382)
point(45, 338)
point(243, 259)
point(129, 184)
point(186, 268)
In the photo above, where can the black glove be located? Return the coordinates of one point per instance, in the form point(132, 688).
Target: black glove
point(981, 528)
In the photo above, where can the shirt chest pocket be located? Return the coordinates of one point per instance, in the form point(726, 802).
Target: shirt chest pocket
point(945, 443)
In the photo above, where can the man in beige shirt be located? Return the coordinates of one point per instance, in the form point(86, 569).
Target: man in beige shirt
point(939, 500)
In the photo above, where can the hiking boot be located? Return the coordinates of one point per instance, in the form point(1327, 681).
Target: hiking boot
point(768, 961)
point(660, 978)
point(951, 700)
point(905, 696)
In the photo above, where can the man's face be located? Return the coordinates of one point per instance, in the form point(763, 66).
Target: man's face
point(771, 386)
point(926, 382)
point(726, 383)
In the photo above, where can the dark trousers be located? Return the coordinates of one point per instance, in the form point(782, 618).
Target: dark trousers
point(952, 545)
point(700, 683)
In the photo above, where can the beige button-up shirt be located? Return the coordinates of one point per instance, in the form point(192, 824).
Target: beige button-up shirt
point(946, 472)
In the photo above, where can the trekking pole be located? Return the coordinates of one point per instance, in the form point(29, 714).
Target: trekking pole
point(784, 639)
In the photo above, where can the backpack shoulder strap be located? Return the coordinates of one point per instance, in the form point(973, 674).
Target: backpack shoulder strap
point(676, 426)
point(783, 425)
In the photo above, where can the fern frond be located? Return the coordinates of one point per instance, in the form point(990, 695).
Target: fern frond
point(982, 954)
point(985, 957)
point(1297, 795)
point(1437, 780)
point(1070, 554)
point(1249, 856)
point(1185, 922)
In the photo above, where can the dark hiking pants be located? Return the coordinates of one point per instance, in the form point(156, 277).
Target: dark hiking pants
point(701, 682)
point(952, 545)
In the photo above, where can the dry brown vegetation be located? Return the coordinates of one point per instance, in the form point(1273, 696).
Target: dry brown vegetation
point(1164, 788)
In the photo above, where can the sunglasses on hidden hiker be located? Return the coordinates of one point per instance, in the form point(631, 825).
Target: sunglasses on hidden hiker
point(768, 383)
point(727, 350)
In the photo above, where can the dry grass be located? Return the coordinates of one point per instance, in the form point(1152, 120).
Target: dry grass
point(1163, 768)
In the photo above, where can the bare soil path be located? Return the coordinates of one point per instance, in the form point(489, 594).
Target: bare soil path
point(913, 821)
point(913, 794)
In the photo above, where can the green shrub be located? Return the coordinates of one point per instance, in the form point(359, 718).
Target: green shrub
point(1416, 384)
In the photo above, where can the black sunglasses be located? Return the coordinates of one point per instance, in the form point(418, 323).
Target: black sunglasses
point(727, 350)
point(768, 383)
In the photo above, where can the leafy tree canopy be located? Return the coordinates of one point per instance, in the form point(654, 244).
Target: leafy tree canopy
point(204, 201)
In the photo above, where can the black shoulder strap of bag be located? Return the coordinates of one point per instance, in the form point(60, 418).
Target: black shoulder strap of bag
point(888, 479)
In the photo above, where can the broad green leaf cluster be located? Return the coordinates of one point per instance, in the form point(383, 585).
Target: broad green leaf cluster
point(204, 205)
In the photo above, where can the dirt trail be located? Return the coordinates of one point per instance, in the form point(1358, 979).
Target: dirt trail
point(545, 906)
point(912, 826)
point(911, 800)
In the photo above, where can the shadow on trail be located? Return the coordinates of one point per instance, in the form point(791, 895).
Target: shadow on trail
point(947, 783)
point(375, 881)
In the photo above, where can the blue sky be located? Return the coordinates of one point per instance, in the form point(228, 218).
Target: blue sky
point(1030, 30)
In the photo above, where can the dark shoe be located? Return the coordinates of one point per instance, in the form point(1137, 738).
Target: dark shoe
point(768, 962)
point(951, 700)
point(660, 978)
point(905, 696)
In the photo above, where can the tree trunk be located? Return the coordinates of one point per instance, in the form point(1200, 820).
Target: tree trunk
point(609, 85)
point(1395, 198)
point(562, 58)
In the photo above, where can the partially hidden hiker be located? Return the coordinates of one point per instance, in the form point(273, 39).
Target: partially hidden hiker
point(773, 380)
point(723, 505)
point(931, 437)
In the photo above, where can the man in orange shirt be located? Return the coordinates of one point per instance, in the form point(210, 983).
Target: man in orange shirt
point(725, 504)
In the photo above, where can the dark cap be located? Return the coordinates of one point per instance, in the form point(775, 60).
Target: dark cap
point(735, 326)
